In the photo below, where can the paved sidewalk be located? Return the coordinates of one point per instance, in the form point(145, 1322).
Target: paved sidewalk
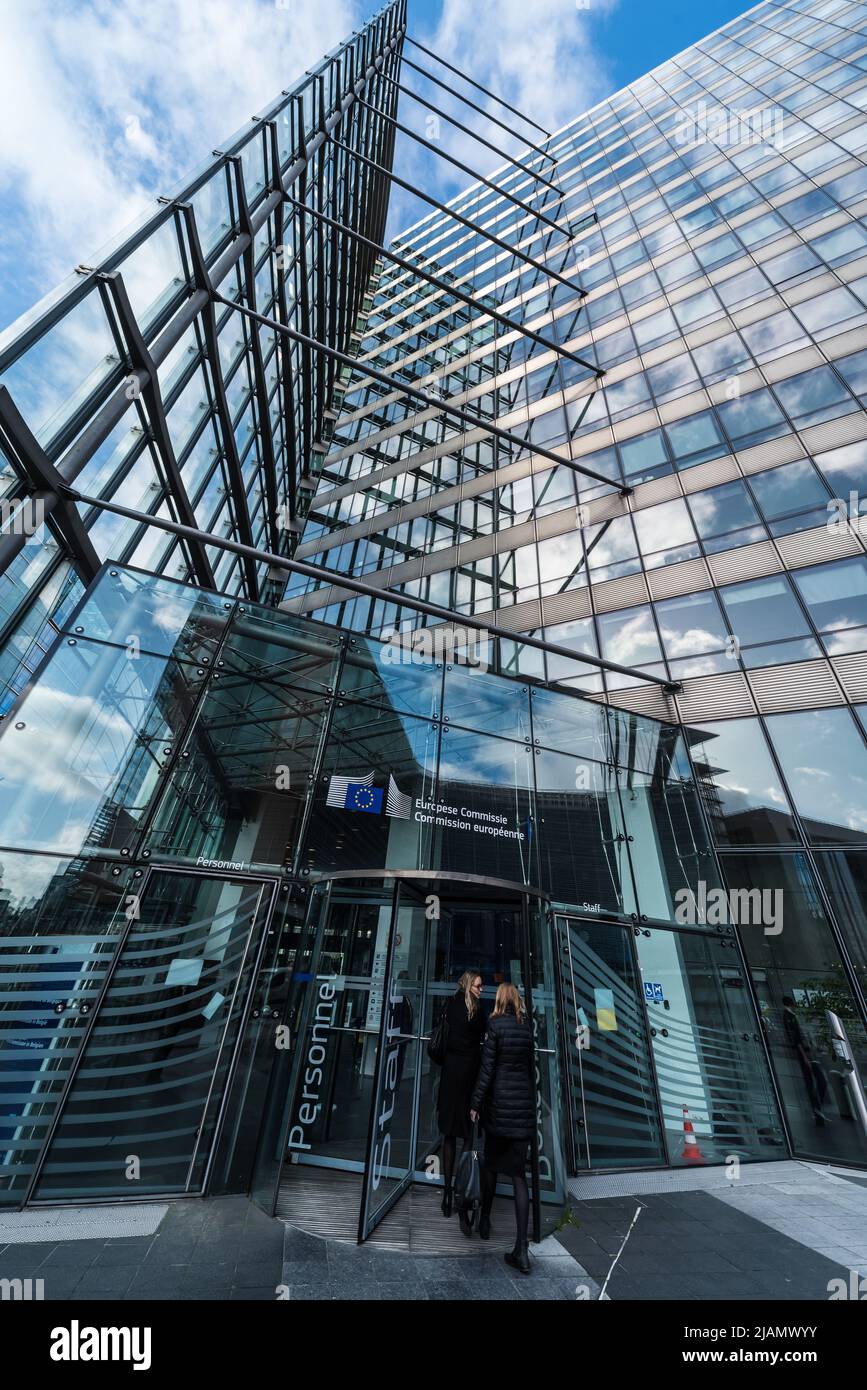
point(224, 1248)
point(780, 1231)
point(328, 1269)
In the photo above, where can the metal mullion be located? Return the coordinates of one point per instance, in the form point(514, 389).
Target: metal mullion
point(35, 467)
point(323, 163)
point(285, 350)
point(336, 269)
point(269, 462)
point(230, 448)
point(303, 300)
point(155, 413)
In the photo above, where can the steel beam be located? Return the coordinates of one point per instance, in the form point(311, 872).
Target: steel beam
point(248, 260)
point(154, 409)
point(471, 300)
point(474, 135)
point(464, 221)
point(472, 174)
point(478, 86)
point(48, 487)
point(441, 407)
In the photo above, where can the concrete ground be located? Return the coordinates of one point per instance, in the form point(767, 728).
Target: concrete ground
point(778, 1231)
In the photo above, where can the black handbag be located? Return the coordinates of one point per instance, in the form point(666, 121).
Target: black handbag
point(438, 1041)
point(468, 1177)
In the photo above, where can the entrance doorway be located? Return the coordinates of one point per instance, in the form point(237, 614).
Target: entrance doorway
point(379, 958)
point(665, 1062)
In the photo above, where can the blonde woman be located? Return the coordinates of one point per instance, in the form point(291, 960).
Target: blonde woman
point(465, 1016)
point(504, 1095)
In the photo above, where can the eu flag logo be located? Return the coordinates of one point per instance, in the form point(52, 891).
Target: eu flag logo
point(363, 798)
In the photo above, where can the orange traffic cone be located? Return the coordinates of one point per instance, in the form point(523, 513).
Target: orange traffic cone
point(691, 1152)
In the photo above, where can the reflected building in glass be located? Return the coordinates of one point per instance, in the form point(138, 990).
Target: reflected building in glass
point(253, 832)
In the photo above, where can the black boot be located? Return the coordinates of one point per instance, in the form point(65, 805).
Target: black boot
point(466, 1222)
point(447, 1201)
point(519, 1258)
point(485, 1226)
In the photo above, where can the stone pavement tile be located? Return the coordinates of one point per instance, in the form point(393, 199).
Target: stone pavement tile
point(538, 1290)
point(159, 1283)
point(110, 1282)
point(298, 1245)
point(213, 1288)
point(309, 1293)
point(637, 1261)
point(389, 1267)
point(351, 1290)
point(349, 1260)
point(11, 1256)
point(258, 1271)
point(124, 1252)
point(490, 1268)
point(407, 1291)
point(60, 1291)
point(729, 1286)
point(171, 1253)
point(661, 1289)
point(76, 1252)
point(25, 1268)
point(305, 1272)
point(442, 1290)
point(264, 1294)
point(431, 1267)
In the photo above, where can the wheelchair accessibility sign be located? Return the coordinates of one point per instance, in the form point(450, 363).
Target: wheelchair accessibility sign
point(653, 992)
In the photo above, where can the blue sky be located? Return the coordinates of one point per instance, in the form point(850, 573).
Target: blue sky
point(104, 104)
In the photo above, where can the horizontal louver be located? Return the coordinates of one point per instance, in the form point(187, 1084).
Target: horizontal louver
point(619, 593)
point(749, 562)
point(801, 685)
point(715, 697)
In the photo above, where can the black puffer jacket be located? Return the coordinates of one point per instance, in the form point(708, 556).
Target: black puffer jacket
point(504, 1091)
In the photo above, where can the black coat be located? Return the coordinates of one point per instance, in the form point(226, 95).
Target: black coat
point(461, 1066)
point(505, 1089)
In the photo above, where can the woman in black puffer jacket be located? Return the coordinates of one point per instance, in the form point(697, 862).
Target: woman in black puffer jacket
point(504, 1095)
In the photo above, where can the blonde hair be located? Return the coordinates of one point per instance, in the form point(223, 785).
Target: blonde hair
point(464, 988)
point(508, 998)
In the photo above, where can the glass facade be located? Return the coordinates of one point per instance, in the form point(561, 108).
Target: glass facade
point(230, 789)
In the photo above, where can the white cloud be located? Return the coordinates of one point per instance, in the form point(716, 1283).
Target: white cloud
point(103, 106)
point(541, 57)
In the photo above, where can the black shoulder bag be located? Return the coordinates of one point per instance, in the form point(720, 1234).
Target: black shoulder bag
point(438, 1041)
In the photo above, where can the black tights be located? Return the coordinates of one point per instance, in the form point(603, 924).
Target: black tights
point(522, 1200)
point(450, 1144)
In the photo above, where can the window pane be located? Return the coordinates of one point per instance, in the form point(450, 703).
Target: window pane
point(824, 760)
point(742, 792)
